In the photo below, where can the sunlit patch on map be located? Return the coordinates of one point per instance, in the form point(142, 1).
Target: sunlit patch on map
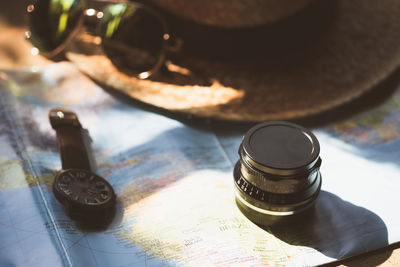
point(13, 175)
point(184, 222)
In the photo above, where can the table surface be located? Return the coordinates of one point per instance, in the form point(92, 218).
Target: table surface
point(15, 53)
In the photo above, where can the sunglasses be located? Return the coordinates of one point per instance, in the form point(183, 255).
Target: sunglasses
point(131, 34)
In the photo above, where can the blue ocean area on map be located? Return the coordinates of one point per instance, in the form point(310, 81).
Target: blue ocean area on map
point(173, 180)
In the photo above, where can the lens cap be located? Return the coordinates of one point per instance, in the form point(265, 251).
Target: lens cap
point(281, 147)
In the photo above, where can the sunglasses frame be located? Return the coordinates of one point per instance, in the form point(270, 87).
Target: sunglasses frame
point(91, 12)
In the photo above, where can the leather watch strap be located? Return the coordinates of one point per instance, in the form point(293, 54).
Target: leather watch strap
point(70, 139)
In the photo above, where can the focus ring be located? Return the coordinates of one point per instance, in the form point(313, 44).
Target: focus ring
point(276, 184)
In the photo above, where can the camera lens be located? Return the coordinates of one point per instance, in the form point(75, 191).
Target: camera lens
point(277, 177)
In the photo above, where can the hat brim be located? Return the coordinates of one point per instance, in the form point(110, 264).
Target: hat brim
point(359, 49)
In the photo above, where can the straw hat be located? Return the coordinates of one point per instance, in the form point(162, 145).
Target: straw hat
point(313, 57)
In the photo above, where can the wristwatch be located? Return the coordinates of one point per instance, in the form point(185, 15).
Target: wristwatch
point(85, 195)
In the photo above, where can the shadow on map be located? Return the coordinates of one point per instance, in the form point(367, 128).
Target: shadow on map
point(336, 228)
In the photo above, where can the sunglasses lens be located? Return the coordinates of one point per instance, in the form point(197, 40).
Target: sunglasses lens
point(133, 37)
point(53, 21)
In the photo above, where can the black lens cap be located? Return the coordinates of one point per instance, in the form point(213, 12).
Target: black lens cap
point(280, 148)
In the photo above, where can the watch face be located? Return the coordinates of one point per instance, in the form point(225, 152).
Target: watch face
point(82, 188)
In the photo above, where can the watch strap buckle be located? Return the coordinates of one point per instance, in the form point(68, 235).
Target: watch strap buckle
point(60, 117)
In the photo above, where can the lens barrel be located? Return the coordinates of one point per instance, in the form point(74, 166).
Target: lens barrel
point(277, 177)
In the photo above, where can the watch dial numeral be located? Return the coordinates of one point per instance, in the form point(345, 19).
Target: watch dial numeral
point(92, 192)
point(67, 191)
point(104, 195)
